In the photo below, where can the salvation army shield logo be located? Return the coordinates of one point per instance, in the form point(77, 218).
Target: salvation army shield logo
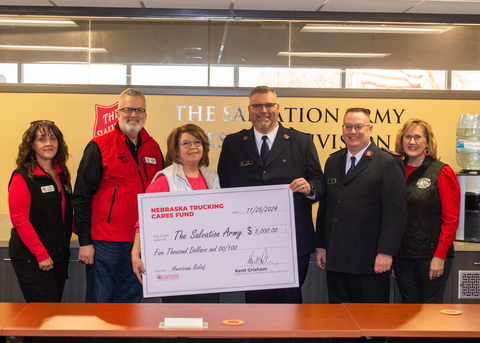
point(105, 119)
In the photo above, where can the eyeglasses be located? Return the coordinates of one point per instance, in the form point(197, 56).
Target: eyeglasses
point(268, 105)
point(417, 138)
point(41, 121)
point(358, 127)
point(130, 110)
point(187, 144)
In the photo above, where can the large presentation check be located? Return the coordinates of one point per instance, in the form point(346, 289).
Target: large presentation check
point(222, 240)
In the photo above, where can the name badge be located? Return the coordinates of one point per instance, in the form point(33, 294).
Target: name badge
point(48, 189)
point(246, 163)
point(150, 160)
point(331, 181)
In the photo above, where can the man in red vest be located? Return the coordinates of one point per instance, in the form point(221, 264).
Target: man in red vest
point(115, 168)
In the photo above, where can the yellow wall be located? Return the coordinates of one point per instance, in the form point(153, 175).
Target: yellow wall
point(75, 116)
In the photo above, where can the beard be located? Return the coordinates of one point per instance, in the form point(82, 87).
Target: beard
point(265, 125)
point(132, 127)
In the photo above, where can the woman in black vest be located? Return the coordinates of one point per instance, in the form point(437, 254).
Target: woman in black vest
point(39, 195)
point(433, 195)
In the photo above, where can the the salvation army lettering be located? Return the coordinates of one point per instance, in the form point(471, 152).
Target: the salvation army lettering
point(105, 119)
point(206, 113)
point(289, 115)
point(221, 240)
point(315, 115)
point(332, 140)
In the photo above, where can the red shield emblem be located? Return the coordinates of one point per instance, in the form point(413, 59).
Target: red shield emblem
point(105, 119)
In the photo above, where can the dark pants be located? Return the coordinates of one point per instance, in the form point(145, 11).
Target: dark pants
point(413, 281)
point(38, 285)
point(110, 279)
point(353, 288)
point(282, 295)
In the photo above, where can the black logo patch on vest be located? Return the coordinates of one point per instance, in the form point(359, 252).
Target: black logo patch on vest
point(124, 158)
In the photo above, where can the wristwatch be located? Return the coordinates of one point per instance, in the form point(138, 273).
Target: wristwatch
point(312, 190)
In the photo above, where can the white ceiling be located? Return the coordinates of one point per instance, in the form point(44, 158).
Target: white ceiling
point(470, 7)
point(229, 42)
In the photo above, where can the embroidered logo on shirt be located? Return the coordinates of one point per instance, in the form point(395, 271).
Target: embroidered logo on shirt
point(123, 158)
point(48, 189)
point(150, 160)
point(424, 183)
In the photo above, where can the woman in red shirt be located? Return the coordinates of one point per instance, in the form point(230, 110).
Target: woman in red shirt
point(39, 195)
point(433, 196)
point(186, 161)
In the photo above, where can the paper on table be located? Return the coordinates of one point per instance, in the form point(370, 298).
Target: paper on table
point(186, 323)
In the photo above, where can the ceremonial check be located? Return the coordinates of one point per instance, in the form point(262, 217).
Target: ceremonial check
point(219, 240)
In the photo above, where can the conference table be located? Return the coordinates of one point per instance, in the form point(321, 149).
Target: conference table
point(259, 320)
point(143, 320)
point(8, 311)
point(416, 320)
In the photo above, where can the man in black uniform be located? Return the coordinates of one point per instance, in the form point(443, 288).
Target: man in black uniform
point(361, 220)
point(269, 154)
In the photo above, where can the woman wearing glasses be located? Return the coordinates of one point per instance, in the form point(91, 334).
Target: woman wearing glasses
point(187, 161)
point(424, 260)
point(39, 195)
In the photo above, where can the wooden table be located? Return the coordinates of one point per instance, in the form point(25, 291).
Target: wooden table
point(142, 320)
point(415, 320)
point(8, 311)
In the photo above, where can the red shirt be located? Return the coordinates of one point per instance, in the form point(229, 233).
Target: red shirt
point(161, 185)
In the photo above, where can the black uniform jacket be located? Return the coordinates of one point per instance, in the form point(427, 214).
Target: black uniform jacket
point(364, 214)
point(293, 155)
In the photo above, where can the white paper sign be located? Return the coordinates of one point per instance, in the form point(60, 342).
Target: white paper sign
point(221, 240)
point(183, 323)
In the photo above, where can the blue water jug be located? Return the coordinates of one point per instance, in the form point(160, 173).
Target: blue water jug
point(468, 141)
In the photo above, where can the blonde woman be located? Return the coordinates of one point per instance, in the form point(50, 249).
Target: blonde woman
point(433, 196)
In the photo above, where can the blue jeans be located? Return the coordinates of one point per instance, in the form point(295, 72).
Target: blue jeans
point(110, 279)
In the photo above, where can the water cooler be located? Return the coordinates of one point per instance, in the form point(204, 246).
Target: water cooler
point(468, 157)
point(469, 225)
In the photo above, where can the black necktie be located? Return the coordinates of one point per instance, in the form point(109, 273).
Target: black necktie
point(264, 150)
point(352, 165)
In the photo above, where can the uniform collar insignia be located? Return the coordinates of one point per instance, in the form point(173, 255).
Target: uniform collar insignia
point(390, 151)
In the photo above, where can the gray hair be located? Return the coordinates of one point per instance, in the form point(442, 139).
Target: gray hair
point(131, 92)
